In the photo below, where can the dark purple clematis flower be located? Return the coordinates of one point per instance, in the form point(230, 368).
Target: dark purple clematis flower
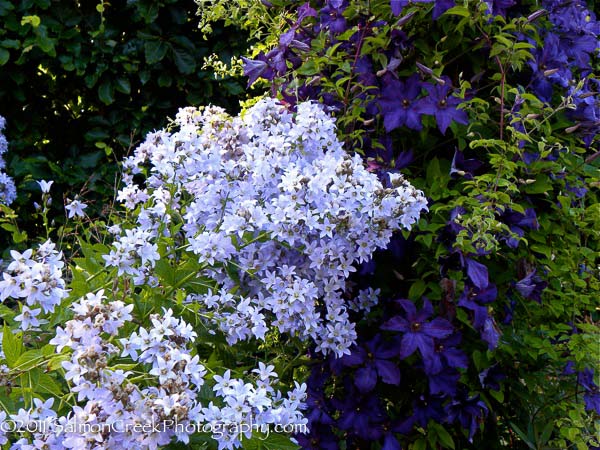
point(549, 67)
point(332, 16)
point(499, 7)
point(426, 408)
point(399, 104)
point(442, 106)
point(509, 309)
point(579, 191)
point(464, 167)
point(592, 394)
point(259, 67)
point(441, 6)
point(569, 368)
point(397, 6)
point(468, 411)
point(517, 221)
point(417, 332)
point(444, 383)
point(491, 377)
point(475, 299)
point(390, 428)
point(531, 287)
point(359, 415)
point(373, 357)
point(305, 11)
point(514, 218)
point(477, 272)
point(446, 354)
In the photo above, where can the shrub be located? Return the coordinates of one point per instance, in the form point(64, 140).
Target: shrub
point(82, 82)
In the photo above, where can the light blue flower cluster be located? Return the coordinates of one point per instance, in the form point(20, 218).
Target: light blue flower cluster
point(35, 278)
point(8, 192)
point(275, 215)
point(276, 211)
point(121, 410)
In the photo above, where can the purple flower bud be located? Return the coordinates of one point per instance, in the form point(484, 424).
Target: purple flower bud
point(405, 19)
point(536, 15)
point(425, 69)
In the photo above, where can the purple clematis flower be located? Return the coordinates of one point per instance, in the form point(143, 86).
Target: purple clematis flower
point(441, 6)
point(444, 383)
point(531, 287)
point(360, 415)
point(464, 167)
point(442, 106)
point(417, 332)
point(477, 272)
point(475, 299)
point(399, 104)
point(446, 354)
point(374, 356)
point(491, 377)
point(426, 408)
point(468, 411)
point(259, 67)
point(332, 16)
point(592, 394)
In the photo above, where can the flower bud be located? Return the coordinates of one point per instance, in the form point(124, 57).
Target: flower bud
point(549, 72)
point(536, 15)
point(570, 130)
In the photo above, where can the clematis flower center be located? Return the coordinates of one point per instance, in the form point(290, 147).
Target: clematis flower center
point(415, 326)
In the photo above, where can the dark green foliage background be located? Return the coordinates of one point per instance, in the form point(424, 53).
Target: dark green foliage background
point(82, 82)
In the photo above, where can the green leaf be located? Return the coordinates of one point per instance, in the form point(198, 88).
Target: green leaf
point(155, 51)
point(106, 93)
point(416, 290)
point(184, 61)
point(165, 80)
point(34, 21)
point(123, 85)
point(12, 346)
point(419, 444)
point(29, 359)
point(522, 435)
point(308, 68)
point(540, 186)
point(444, 437)
point(44, 383)
point(5, 7)
point(4, 56)
point(96, 134)
point(272, 441)
point(6, 313)
point(546, 432)
point(458, 11)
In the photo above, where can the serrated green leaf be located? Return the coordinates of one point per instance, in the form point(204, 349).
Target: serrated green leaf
point(29, 359)
point(12, 346)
